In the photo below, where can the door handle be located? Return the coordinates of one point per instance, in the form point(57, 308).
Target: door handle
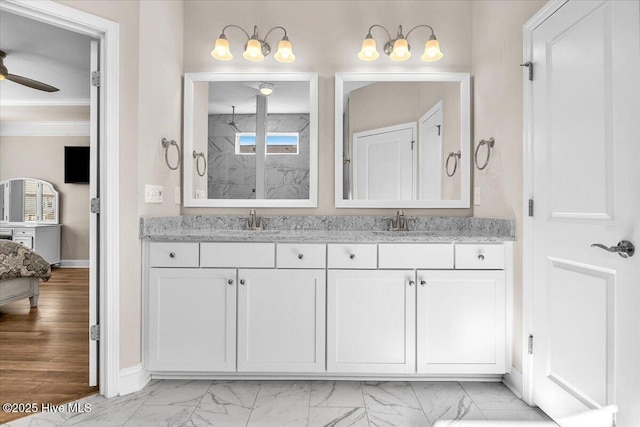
point(624, 248)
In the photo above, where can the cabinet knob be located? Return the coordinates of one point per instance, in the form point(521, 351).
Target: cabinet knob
point(411, 283)
point(352, 256)
point(481, 257)
point(300, 256)
point(172, 255)
point(230, 281)
point(242, 282)
point(423, 283)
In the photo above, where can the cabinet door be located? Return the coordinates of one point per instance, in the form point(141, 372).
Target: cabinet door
point(192, 319)
point(461, 322)
point(371, 321)
point(281, 321)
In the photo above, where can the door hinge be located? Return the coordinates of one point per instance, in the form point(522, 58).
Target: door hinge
point(95, 205)
point(530, 207)
point(529, 65)
point(438, 126)
point(94, 333)
point(530, 345)
point(95, 78)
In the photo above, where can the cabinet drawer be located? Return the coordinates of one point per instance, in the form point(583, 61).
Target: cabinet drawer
point(419, 255)
point(353, 256)
point(238, 255)
point(480, 256)
point(18, 232)
point(170, 254)
point(25, 241)
point(297, 255)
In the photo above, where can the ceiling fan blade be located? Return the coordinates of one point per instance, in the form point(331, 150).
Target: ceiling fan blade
point(34, 84)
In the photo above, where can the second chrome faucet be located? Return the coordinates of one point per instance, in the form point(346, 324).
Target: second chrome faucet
point(399, 224)
point(253, 222)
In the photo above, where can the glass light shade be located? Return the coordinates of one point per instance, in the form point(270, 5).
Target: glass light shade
point(285, 52)
point(368, 51)
point(400, 50)
point(432, 51)
point(253, 52)
point(221, 50)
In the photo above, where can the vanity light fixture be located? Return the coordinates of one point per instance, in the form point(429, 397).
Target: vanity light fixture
point(398, 49)
point(266, 88)
point(255, 49)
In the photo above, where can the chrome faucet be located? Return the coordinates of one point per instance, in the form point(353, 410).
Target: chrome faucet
point(254, 222)
point(399, 224)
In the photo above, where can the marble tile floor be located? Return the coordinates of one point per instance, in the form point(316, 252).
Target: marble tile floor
point(301, 403)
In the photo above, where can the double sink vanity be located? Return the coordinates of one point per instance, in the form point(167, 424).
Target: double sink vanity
point(334, 296)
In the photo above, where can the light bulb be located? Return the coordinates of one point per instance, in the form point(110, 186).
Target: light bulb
point(400, 50)
point(285, 51)
point(253, 51)
point(432, 50)
point(368, 51)
point(221, 50)
point(266, 89)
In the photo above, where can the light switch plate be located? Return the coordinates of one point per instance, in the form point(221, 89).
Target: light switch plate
point(176, 196)
point(476, 196)
point(153, 193)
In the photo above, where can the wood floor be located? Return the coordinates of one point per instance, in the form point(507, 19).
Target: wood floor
point(44, 351)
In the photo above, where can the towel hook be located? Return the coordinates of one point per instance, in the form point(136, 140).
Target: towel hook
point(197, 156)
point(455, 156)
point(166, 144)
point(490, 143)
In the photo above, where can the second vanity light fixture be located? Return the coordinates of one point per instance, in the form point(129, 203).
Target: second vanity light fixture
point(398, 49)
point(255, 49)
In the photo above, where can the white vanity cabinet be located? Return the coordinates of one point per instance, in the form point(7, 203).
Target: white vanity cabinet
point(281, 320)
point(371, 321)
point(192, 319)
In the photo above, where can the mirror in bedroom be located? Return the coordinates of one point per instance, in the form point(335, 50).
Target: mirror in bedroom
point(250, 140)
point(402, 140)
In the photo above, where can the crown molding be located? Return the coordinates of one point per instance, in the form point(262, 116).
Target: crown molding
point(16, 128)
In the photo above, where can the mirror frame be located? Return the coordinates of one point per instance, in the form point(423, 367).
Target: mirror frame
point(39, 182)
point(187, 159)
point(465, 138)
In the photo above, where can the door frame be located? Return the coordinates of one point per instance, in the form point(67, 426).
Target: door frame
point(107, 32)
point(528, 231)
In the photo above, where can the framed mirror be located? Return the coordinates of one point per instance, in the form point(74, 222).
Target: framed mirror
point(250, 140)
point(28, 200)
point(402, 140)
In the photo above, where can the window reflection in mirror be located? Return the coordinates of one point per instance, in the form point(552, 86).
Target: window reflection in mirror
point(258, 147)
point(393, 136)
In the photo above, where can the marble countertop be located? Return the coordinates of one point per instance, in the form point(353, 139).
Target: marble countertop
point(325, 229)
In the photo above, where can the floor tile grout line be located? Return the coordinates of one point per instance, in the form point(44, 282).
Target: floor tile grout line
point(201, 399)
point(309, 408)
point(364, 404)
point(253, 405)
point(471, 399)
point(419, 403)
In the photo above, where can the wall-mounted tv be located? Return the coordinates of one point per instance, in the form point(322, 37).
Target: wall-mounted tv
point(76, 165)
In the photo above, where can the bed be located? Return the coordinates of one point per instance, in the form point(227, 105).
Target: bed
point(20, 271)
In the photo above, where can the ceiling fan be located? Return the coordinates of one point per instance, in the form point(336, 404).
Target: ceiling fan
point(233, 123)
point(34, 84)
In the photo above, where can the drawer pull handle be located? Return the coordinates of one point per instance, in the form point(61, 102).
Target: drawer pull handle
point(230, 281)
point(423, 283)
point(481, 257)
point(411, 283)
point(172, 255)
point(300, 256)
point(242, 282)
point(352, 256)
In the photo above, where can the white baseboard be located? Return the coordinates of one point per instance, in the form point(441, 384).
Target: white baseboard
point(513, 381)
point(133, 379)
point(74, 263)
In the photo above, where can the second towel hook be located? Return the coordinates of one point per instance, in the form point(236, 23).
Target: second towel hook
point(166, 144)
point(489, 143)
point(197, 156)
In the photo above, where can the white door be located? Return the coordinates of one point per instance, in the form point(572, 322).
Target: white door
point(94, 192)
point(586, 151)
point(281, 320)
point(430, 154)
point(384, 163)
point(371, 321)
point(461, 322)
point(192, 319)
